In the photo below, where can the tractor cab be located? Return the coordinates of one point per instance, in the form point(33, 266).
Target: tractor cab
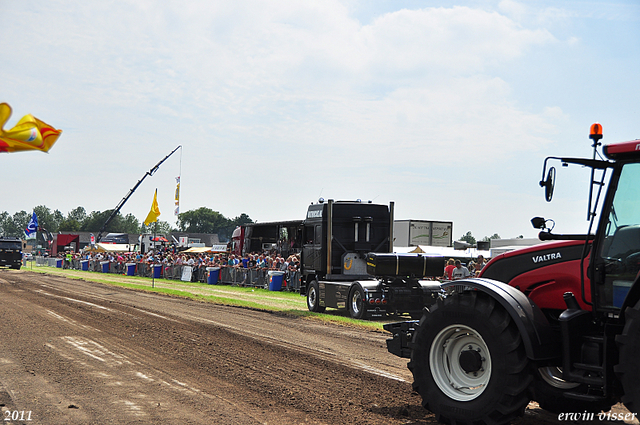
point(614, 249)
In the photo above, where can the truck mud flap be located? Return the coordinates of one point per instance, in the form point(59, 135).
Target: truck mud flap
point(402, 335)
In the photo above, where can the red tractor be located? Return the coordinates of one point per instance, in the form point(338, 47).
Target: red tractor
point(558, 323)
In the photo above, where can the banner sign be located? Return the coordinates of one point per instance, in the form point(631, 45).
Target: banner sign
point(186, 273)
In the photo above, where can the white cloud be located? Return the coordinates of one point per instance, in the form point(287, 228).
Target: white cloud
point(514, 9)
point(573, 41)
point(554, 112)
point(456, 40)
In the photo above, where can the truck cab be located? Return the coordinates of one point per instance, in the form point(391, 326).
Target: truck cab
point(10, 252)
point(338, 235)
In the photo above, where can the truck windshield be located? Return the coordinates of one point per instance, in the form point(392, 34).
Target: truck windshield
point(13, 245)
point(621, 245)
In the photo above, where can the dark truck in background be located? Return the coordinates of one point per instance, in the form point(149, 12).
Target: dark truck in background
point(347, 262)
point(10, 252)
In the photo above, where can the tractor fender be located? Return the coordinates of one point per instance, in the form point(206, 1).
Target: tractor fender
point(541, 341)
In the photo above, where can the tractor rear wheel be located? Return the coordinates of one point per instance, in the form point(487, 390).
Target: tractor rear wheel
point(628, 369)
point(469, 363)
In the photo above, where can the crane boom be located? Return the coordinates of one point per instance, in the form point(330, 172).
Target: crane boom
point(133, 189)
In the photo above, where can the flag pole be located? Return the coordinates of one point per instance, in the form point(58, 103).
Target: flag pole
point(151, 217)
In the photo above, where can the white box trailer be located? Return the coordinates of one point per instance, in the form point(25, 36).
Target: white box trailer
point(149, 241)
point(422, 232)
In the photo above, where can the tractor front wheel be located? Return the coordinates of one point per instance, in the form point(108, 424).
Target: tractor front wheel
point(469, 363)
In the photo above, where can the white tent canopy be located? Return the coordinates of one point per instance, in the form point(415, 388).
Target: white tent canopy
point(215, 248)
point(112, 247)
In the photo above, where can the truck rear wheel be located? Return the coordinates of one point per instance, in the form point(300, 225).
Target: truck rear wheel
point(313, 297)
point(628, 369)
point(468, 361)
point(356, 302)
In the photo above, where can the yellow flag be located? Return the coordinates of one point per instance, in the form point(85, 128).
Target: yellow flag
point(29, 134)
point(155, 211)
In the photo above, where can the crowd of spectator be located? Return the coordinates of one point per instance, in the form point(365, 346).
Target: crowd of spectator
point(198, 261)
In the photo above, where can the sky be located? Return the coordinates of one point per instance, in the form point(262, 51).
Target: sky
point(448, 109)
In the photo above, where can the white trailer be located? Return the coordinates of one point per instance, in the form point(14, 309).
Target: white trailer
point(148, 243)
point(422, 232)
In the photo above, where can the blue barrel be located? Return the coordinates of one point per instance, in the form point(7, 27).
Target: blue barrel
point(59, 263)
point(104, 266)
point(84, 265)
point(275, 280)
point(157, 270)
point(214, 275)
point(131, 269)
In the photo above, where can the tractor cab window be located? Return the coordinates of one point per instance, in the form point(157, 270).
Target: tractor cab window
point(621, 245)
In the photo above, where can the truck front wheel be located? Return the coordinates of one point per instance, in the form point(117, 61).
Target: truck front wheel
point(468, 361)
point(313, 297)
point(628, 369)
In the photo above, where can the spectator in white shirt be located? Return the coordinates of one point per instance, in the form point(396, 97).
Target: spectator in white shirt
point(460, 272)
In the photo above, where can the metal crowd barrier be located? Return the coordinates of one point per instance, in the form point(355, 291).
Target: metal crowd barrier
point(292, 280)
point(238, 276)
point(257, 278)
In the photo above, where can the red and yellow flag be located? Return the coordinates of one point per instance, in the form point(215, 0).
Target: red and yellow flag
point(155, 211)
point(29, 134)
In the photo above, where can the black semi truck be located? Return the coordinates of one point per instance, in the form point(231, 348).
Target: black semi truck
point(347, 262)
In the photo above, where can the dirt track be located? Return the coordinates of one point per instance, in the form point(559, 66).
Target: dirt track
point(77, 352)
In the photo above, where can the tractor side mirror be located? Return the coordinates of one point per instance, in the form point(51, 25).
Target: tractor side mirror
point(539, 223)
point(549, 183)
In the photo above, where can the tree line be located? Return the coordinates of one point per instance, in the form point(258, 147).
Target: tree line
point(470, 239)
point(201, 220)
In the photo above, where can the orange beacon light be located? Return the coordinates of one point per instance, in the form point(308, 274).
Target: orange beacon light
point(596, 132)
